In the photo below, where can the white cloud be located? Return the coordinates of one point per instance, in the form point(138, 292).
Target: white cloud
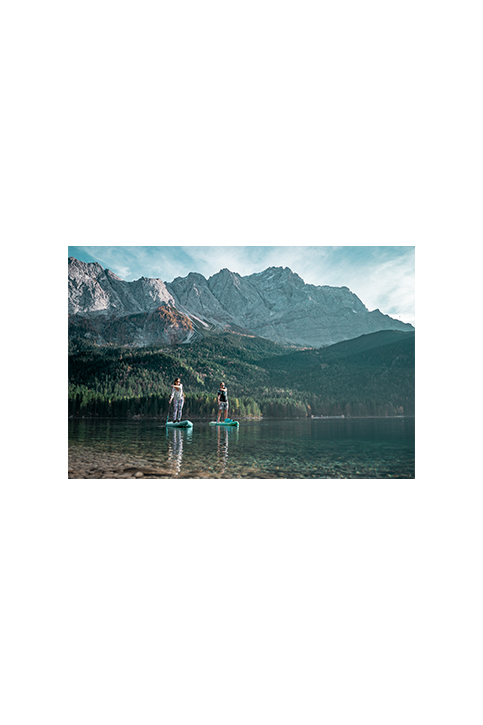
point(388, 286)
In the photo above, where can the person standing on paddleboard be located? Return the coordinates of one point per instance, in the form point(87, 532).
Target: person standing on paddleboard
point(178, 396)
point(222, 401)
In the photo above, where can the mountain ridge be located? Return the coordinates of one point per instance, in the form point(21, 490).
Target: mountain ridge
point(275, 304)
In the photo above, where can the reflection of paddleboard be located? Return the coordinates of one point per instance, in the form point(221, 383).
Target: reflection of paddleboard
point(228, 421)
point(181, 424)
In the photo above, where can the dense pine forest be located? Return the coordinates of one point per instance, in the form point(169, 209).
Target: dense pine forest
point(370, 375)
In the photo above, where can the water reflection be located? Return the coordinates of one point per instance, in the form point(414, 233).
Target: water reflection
point(366, 448)
point(176, 438)
point(223, 437)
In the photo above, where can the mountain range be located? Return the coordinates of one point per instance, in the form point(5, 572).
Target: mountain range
point(275, 304)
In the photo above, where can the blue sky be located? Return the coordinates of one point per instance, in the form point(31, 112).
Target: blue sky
point(381, 276)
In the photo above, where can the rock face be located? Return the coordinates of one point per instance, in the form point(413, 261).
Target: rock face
point(106, 309)
point(278, 305)
point(275, 304)
point(95, 290)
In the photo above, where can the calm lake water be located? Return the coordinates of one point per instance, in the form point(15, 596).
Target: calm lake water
point(300, 448)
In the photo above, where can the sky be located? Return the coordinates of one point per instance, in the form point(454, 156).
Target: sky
point(381, 276)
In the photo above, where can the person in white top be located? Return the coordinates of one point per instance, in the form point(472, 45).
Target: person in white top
point(178, 396)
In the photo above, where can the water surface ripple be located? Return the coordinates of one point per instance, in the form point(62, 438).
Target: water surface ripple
point(297, 448)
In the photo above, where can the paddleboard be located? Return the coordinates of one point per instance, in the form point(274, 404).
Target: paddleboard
point(180, 424)
point(225, 422)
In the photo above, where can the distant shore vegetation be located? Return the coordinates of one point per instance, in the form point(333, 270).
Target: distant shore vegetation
point(372, 375)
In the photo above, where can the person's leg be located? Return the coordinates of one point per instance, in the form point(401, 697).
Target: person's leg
point(176, 409)
point(180, 408)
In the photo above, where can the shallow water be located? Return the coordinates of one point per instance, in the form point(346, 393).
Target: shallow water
point(298, 448)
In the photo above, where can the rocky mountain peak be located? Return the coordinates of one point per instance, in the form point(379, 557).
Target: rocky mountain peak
point(278, 275)
point(224, 274)
point(276, 304)
point(224, 280)
point(93, 290)
point(79, 269)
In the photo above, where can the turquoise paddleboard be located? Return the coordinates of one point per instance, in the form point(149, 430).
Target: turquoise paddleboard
point(228, 421)
point(181, 424)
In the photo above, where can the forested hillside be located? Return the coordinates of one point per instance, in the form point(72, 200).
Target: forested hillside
point(370, 375)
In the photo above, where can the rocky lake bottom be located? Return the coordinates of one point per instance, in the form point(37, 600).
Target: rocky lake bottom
point(297, 448)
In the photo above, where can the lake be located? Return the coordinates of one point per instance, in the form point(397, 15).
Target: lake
point(296, 448)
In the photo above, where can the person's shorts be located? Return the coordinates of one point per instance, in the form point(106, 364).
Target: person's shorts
point(223, 406)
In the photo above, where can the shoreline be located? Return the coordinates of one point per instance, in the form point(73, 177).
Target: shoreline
point(248, 418)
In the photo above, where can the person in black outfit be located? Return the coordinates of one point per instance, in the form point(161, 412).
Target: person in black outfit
point(222, 402)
